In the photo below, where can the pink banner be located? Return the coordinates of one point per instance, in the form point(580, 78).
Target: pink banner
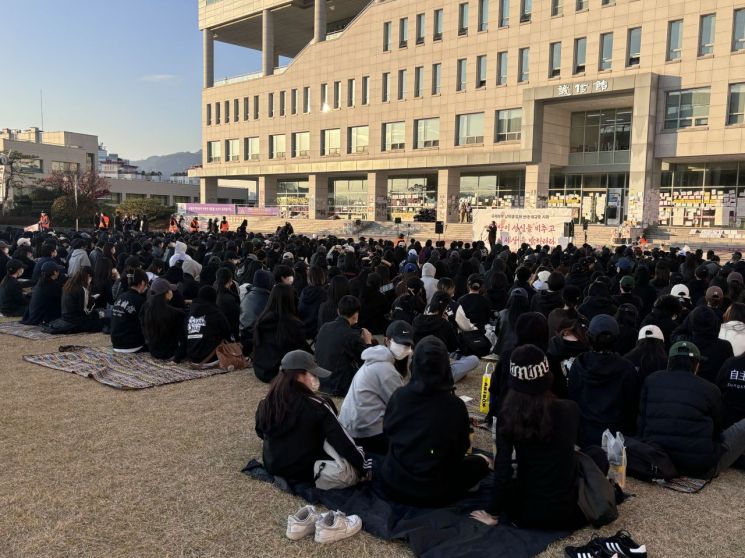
point(259, 211)
point(211, 208)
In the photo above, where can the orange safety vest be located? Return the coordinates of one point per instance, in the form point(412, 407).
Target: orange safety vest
point(104, 224)
point(194, 226)
point(224, 226)
point(44, 222)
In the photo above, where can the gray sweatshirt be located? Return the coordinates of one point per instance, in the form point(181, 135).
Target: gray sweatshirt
point(78, 259)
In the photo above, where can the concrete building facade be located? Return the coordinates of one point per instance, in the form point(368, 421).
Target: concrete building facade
point(625, 110)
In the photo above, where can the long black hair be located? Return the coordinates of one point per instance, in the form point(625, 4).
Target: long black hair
point(526, 417)
point(281, 307)
point(158, 317)
point(652, 356)
point(79, 280)
point(283, 390)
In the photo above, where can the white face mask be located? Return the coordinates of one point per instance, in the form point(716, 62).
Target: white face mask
point(400, 352)
point(315, 383)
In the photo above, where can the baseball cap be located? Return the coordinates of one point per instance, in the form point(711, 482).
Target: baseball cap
point(301, 360)
point(627, 282)
point(14, 265)
point(686, 349)
point(288, 256)
point(651, 332)
point(714, 293)
point(734, 277)
point(603, 323)
point(160, 286)
point(50, 266)
point(411, 268)
point(4, 244)
point(681, 291)
point(401, 332)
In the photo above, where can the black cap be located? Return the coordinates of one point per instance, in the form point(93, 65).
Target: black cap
point(401, 332)
point(14, 265)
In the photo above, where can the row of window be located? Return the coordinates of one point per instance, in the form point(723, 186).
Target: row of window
point(690, 107)
point(469, 131)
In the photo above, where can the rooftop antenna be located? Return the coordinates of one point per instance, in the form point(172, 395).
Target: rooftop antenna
point(41, 102)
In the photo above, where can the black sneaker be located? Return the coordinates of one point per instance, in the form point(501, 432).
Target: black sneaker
point(593, 549)
point(624, 545)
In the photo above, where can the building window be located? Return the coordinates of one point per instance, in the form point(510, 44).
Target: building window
point(301, 144)
point(227, 112)
point(502, 68)
point(526, 11)
point(245, 108)
point(35, 166)
point(180, 199)
point(437, 28)
point(523, 65)
point(420, 26)
point(251, 149)
point(411, 196)
point(324, 97)
point(461, 77)
point(504, 189)
point(463, 19)
point(277, 146)
point(292, 198)
point(217, 112)
point(387, 36)
point(418, 81)
point(331, 142)
point(633, 47)
point(706, 35)
point(394, 136)
point(736, 110)
point(687, 108)
point(470, 128)
point(270, 105)
point(281, 103)
point(554, 60)
point(386, 87)
point(365, 90)
point(358, 140)
point(293, 101)
point(599, 198)
point(608, 3)
point(600, 137)
point(582, 5)
point(256, 107)
point(306, 100)
point(509, 125)
point(480, 71)
point(483, 15)
point(214, 153)
point(580, 55)
point(337, 94)
point(738, 31)
point(236, 111)
point(427, 133)
point(347, 198)
point(606, 51)
point(209, 114)
point(351, 92)
point(436, 73)
point(556, 8)
point(504, 13)
point(674, 39)
point(232, 150)
point(402, 85)
point(403, 32)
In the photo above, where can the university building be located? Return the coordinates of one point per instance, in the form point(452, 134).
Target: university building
point(624, 110)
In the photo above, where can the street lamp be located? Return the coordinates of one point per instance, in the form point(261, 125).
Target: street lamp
point(75, 194)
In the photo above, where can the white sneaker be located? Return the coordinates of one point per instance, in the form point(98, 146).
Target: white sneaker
point(335, 526)
point(302, 523)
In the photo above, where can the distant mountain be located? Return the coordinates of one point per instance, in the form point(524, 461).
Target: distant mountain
point(169, 164)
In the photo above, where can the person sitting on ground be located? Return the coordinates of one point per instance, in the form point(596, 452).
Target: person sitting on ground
point(435, 322)
point(338, 288)
point(517, 305)
point(428, 428)
point(627, 318)
point(649, 354)
point(339, 347)
point(228, 300)
point(126, 329)
point(77, 304)
point(383, 372)
point(682, 414)
point(78, 257)
point(295, 422)
point(626, 285)
point(48, 254)
point(701, 327)
point(12, 300)
point(410, 304)
point(731, 383)
point(665, 315)
point(733, 328)
point(604, 385)
point(104, 277)
point(475, 305)
point(597, 302)
point(46, 297)
point(189, 284)
point(559, 318)
point(252, 305)
point(563, 349)
point(429, 281)
point(542, 432)
point(311, 298)
point(713, 298)
point(374, 305)
point(163, 326)
point(547, 300)
point(277, 331)
point(206, 328)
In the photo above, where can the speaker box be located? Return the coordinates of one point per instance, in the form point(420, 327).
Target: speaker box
point(397, 220)
point(439, 227)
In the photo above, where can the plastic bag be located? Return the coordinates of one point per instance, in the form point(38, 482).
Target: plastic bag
point(615, 450)
point(490, 334)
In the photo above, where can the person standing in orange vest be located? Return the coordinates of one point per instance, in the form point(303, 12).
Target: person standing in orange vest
point(224, 226)
point(44, 222)
point(173, 225)
point(194, 225)
point(103, 223)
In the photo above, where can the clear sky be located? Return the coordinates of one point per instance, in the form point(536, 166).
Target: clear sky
point(128, 71)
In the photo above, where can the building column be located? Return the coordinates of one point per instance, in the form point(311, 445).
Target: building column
point(267, 43)
point(319, 21)
point(448, 189)
point(536, 185)
point(267, 191)
point(644, 169)
point(208, 190)
point(377, 196)
point(208, 58)
point(318, 192)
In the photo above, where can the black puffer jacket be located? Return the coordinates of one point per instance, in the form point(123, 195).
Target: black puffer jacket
point(545, 301)
point(701, 327)
point(428, 324)
point(682, 413)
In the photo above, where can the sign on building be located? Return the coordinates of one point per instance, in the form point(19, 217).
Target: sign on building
point(581, 88)
point(519, 225)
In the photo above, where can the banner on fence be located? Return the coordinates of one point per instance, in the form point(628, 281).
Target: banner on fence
point(519, 225)
point(258, 211)
point(210, 208)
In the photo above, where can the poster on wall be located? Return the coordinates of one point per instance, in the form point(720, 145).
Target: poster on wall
point(520, 225)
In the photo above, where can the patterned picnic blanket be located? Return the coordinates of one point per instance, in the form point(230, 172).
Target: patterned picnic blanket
point(688, 485)
point(120, 370)
point(25, 331)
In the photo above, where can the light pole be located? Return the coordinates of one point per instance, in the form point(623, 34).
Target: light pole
point(75, 186)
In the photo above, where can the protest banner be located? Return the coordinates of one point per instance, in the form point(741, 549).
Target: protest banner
point(210, 208)
point(258, 211)
point(521, 225)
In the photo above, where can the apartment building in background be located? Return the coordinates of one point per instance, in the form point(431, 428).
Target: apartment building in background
point(625, 110)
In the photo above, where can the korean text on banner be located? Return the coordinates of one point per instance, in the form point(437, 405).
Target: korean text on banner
point(517, 226)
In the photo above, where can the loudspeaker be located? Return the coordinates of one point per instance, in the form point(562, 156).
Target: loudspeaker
point(397, 220)
point(439, 227)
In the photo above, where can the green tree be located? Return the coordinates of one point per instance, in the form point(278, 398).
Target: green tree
point(145, 206)
point(14, 176)
point(91, 188)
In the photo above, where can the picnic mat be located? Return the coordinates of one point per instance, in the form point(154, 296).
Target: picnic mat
point(684, 484)
point(430, 532)
point(25, 331)
point(120, 370)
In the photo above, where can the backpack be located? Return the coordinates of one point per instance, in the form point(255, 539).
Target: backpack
point(474, 343)
point(597, 497)
point(646, 461)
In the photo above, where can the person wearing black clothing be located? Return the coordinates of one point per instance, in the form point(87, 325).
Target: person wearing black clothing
point(311, 298)
point(410, 304)
point(626, 284)
point(563, 349)
point(731, 382)
point(46, 297)
point(206, 327)
point(126, 329)
point(48, 254)
point(701, 327)
point(23, 253)
point(4, 258)
point(77, 304)
point(163, 326)
point(434, 322)
point(522, 281)
point(104, 277)
point(228, 300)
point(604, 385)
point(374, 306)
point(428, 429)
point(476, 306)
point(12, 300)
point(294, 422)
point(189, 285)
point(646, 292)
point(253, 304)
point(597, 302)
point(627, 318)
point(339, 347)
point(664, 315)
point(338, 288)
point(649, 354)
point(548, 300)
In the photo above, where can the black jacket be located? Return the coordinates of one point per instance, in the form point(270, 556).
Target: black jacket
point(206, 328)
point(645, 366)
point(545, 301)
point(73, 307)
point(477, 309)
point(189, 287)
point(374, 311)
point(126, 330)
point(292, 447)
point(407, 307)
point(310, 301)
point(229, 303)
point(661, 319)
point(45, 305)
point(682, 413)
point(604, 386)
point(172, 345)
point(326, 313)
point(12, 300)
point(269, 351)
point(629, 298)
point(596, 305)
point(561, 354)
point(428, 324)
point(339, 348)
point(731, 382)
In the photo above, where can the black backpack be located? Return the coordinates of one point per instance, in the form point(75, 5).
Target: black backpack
point(647, 461)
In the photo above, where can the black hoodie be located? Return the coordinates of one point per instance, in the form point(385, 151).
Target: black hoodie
point(545, 301)
point(561, 354)
point(605, 387)
point(432, 324)
point(310, 301)
point(206, 328)
point(126, 330)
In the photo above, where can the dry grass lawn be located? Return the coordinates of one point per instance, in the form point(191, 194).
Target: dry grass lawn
point(86, 470)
